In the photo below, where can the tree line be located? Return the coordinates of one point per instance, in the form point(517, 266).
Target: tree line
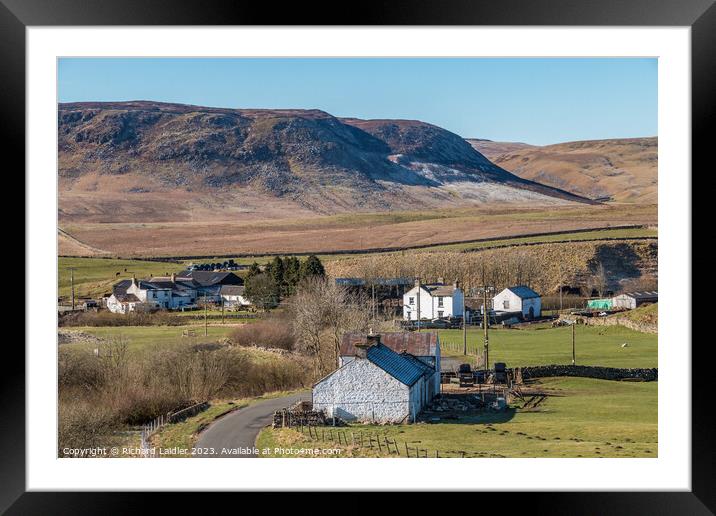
point(279, 279)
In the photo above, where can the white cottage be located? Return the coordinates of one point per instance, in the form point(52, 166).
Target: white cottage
point(433, 301)
point(233, 296)
point(425, 346)
point(520, 300)
point(377, 386)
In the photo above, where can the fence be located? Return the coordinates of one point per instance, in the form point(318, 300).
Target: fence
point(382, 443)
point(157, 423)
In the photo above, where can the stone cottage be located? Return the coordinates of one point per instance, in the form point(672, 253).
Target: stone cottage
point(378, 386)
point(423, 345)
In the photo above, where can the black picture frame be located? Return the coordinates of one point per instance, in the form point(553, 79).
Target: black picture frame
point(700, 15)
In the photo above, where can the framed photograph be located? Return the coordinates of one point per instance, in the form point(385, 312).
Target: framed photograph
point(428, 233)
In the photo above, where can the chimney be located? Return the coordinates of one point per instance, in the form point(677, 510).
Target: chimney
point(174, 277)
point(362, 347)
point(456, 284)
point(417, 282)
point(134, 280)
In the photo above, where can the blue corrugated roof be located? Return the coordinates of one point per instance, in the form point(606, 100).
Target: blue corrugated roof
point(395, 364)
point(523, 292)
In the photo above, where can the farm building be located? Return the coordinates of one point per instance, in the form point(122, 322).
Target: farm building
point(167, 293)
point(433, 301)
point(233, 296)
point(424, 346)
point(520, 300)
point(209, 283)
point(378, 385)
point(633, 300)
point(600, 304)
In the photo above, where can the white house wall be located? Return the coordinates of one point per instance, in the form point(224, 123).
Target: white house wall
point(362, 391)
point(429, 305)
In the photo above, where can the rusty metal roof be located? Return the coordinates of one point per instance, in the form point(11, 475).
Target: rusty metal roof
point(419, 344)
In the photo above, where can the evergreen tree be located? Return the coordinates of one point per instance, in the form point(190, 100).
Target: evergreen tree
point(262, 291)
point(292, 273)
point(312, 267)
point(254, 270)
point(277, 271)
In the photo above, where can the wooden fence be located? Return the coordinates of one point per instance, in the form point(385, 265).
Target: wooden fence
point(381, 443)
point(157, 423)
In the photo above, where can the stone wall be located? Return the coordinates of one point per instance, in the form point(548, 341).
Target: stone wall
point(602, 373)
point(621, 321)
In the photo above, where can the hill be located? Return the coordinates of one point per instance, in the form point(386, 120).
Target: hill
point(623, 170)
point(154, 162)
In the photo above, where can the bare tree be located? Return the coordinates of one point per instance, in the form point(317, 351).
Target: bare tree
point(600, 279)
point(322, 311)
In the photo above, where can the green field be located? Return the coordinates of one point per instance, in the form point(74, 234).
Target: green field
point(582, 418)
point(95, 276)
point(595, 345)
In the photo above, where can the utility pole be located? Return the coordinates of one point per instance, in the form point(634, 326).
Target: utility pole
point(419, 288)
point(72, 285)
point(464, 327)
point(222, 310)
point(206, 317)
point(485, 289)
point(574, 361)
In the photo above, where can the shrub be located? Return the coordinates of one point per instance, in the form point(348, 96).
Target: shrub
point(160, 318)
point(274, 331)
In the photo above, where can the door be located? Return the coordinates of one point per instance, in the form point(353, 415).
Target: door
point(532, 312)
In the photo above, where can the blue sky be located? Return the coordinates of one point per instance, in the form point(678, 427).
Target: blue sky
point(532, 100)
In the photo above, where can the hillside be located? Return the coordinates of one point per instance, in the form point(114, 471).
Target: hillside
point(627, 264)
point(156, 162)
point(624, 170)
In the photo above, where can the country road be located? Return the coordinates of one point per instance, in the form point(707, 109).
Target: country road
point(240, 428)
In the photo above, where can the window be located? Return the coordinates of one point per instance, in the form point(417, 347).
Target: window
point(440, 314)
point(440, 301)
point(411, 300)
point(506, 304)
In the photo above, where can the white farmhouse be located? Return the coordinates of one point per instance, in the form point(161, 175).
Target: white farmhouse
point(520, 300)
point(152, 294)
point(433, 301)
point(378, 385)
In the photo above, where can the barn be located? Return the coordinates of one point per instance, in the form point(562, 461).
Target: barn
point(378, 386)
point(519, 300)
point(631, 300)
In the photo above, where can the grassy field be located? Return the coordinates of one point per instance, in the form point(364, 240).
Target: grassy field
point(357, 231)
point(94, 276)
point(140, 338)
point(595, 345)
point(582, 418)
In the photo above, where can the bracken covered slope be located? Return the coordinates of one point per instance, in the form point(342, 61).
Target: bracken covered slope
point(623, 170)
point(149, 161)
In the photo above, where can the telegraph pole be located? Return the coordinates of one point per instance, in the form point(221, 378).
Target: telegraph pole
point(485, 289)
point(573, 352)
point(486, 324)
point(464, 327)
point(72, 285)
point(419, 288)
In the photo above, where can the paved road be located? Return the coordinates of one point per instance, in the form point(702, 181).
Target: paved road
point(240, 428)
